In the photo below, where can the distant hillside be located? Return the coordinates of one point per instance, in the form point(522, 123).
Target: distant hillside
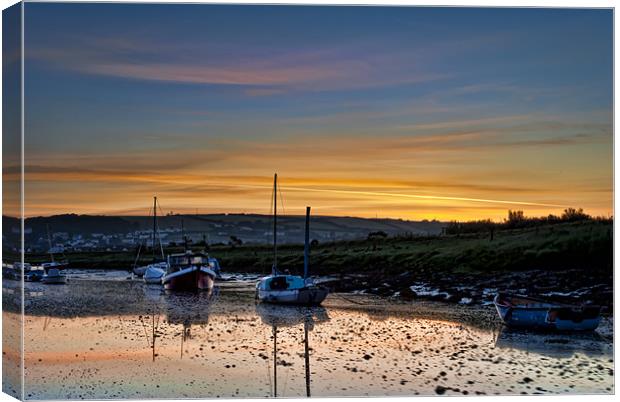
point(218, 228)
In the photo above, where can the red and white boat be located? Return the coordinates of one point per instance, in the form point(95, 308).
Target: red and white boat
point(190, 271)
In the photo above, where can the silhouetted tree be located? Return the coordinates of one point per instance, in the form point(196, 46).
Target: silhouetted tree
point(515, 218)
point(573, 215)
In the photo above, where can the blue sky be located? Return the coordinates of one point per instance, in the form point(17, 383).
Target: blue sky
point(359, 109)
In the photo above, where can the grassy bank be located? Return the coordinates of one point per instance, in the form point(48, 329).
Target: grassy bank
point(580, 245)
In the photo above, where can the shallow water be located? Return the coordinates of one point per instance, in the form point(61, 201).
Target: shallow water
point(94, 339)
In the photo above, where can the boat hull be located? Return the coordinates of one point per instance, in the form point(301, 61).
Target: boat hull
point(189, 279)
point(33, 277)
point(139, 271)
point(153, 274)
point(54, 280)
point(310, 296)
point(152, 281)
point(559, 318)
point(55, 265)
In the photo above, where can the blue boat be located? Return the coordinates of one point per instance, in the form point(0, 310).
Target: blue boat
point(531, 313)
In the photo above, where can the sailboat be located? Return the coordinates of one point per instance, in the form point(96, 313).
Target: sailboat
point(153, 272)
point(285, 288)
point(53, 271)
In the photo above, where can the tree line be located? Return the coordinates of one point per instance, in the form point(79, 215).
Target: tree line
point(517, 220)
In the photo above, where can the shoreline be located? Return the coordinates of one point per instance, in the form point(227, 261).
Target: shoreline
point(346, 288)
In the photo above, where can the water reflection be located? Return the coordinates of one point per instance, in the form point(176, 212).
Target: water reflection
point(102, 340)
point(289, 316)
point(179, 308)
point(556, 345)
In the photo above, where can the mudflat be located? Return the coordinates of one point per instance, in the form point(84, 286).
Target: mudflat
point(101, 336)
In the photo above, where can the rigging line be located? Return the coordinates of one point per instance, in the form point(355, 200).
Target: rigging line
point(157, 235)
point(161, 246)
point(160, 209)
point(135, 263)
point(271, 203)
point(281, 199)
point(271, 214)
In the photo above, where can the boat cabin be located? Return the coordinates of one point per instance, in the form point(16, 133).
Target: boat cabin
point(188, 259)
point(179, 261)
point(282, 282)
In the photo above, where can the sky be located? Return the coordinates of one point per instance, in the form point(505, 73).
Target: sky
point(412, 113)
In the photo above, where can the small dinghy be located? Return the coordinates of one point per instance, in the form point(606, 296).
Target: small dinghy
point(154, 273)
point(34, 275)
point(15, 270)
point(139, 271)
point(284, 288)
point(532, 313)
point(53, 275)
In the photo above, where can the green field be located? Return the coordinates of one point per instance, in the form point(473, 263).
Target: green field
point(581, 245)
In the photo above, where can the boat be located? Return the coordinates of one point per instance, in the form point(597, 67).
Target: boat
point(140, 271)
point(35, 274)
point(518, 311)
point(54, 271)
point(190, 271)
point(9, 271)
point(18, 270)
point(286, 288)
point(154, 272)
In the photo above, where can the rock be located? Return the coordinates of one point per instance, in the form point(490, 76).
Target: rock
point(407, 294)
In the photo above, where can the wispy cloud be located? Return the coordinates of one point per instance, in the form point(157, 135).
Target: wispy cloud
point(317, 69)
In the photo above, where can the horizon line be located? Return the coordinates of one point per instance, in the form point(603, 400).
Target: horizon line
point(608, 216)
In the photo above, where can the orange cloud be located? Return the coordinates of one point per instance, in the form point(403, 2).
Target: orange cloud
point(440, 171)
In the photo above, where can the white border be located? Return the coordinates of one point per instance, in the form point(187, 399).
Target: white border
point(457, 3)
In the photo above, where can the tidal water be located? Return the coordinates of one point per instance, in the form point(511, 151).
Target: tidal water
point(96, 338)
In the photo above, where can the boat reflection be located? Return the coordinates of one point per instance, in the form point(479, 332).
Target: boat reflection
point(277, 316)
point(555, 345)
point(181, 308)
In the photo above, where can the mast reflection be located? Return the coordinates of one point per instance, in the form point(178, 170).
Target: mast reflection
point(277, 316)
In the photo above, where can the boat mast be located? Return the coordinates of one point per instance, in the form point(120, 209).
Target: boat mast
point(154, 335)
point(307, 244)
point(154, 224)
point(49, 240)
point(275, 223)
point(184, 237)
point(275, 361)
point(307, 354)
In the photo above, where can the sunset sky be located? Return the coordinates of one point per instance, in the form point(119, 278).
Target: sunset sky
point(414, 113)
